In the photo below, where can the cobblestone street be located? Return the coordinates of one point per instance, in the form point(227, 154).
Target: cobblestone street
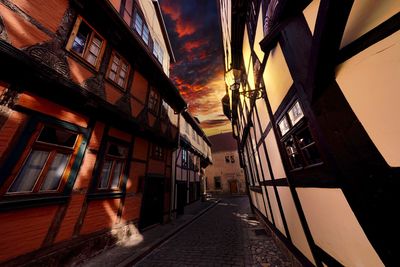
point(227, 235)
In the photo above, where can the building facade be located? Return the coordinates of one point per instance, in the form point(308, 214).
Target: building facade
point(190, 159)
point(88, 125)
point(225, 176)
point(312, 90)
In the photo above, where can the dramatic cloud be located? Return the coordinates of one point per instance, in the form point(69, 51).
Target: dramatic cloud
point(194, 31)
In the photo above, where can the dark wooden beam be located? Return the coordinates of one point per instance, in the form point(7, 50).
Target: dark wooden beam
point(329, 28)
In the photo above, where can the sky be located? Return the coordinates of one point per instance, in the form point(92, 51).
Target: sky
point(193, 28)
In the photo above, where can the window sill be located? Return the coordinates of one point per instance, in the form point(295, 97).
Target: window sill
point(31, 201)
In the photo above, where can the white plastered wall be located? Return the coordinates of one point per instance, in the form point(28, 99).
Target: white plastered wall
point(335, 228)
point(310, 13)
point(274, 156)
point(151, 18)
point(366, 15)
point(275, 210)
point(293, 221)
point(370, 82)
point(277, 77)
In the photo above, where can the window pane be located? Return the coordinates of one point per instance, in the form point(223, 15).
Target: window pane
point(81, 38)
point(120, 82)
point(58, 137)
point(138, 23)
point(293, 154)
point(94, 50)
point(55, 172)
point(30, 171)
point(295, 113)
point(91, 59)
point(284, 126)
point(116, 175)
point(145, 34)
point(105, 173)
point(111, 75)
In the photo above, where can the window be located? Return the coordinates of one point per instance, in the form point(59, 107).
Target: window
point(158, 152)
point(86, 43)
point(127, 11)
point(157, 51)
point(118, 70)
point(184, 158)
point(112, 167)
point(227, 159)
point(232, 159)
point(141, 28)
point(47, 164)
point(217, 182)
point(299, 144)
point(153, 102)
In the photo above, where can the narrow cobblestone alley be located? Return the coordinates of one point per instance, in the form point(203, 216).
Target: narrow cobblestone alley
point(224, 236)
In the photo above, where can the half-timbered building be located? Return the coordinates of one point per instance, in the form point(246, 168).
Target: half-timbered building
point(190, 159)
point(88, 125)
point(312, 92)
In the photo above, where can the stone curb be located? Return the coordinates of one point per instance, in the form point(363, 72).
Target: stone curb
point(142, 253)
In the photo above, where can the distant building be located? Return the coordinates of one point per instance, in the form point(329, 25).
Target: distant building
point(225, 176)
point(189, 161)
point(312, 91)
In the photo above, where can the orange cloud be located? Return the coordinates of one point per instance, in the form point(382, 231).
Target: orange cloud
point(182, 28)
point(190, 45)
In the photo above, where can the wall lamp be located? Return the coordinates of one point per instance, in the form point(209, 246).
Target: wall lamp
point(233, 80)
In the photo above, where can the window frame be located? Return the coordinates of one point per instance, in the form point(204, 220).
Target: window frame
point(119, 67)
point(155, 110)
point(137, 12)
point(158, 152)
point(105, 193)
point(86, 49)
point(16, 159)
point(293, 131)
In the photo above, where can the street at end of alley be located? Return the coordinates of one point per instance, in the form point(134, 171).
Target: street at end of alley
point(226, 235)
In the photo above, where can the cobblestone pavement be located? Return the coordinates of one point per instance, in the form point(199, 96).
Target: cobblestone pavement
point(224, 236)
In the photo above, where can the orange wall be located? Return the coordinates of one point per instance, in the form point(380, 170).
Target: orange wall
point(20, 32)
point(120, 135)
point(68, 224)
point(49, 13)
point(116, 4)
point(47, 107)
point(131, 209)
point(23, 231)
point(136, 107)
point(139, 87)
point(101, 214)
point(79, 73)
point(140, 148)
point(156, 167)
point(112, 93)
point(9, 131)
point(86, 170)
point(137, 169)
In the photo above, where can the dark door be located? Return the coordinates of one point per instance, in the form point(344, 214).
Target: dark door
point(233, 187)
point(153, 200)
point(181, 197)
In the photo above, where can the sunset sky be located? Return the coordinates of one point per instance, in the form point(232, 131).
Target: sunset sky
point(194, 31)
